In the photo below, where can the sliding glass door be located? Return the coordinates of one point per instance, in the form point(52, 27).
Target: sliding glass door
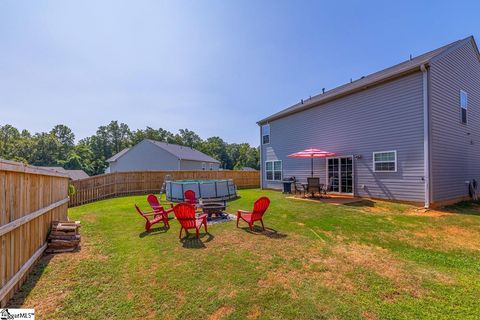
point(340, 174)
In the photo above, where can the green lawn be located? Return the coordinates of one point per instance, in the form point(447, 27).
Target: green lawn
point(372, 260)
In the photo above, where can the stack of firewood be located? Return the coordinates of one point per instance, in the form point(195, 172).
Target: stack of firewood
point(64, 236)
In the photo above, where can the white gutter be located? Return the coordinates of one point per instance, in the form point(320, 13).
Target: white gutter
point(426, 136)
point(260, 157)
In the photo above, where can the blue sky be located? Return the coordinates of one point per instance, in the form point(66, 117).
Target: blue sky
point(215, 67)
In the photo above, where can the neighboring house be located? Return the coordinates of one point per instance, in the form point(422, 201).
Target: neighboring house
point(151, 155)
point(410, 132)
point(248, 169)
point(72, 174)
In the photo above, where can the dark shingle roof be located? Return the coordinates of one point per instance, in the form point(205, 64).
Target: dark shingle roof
point(372, 79)
point(72, 174)
point(118, 155)
point(248, 169)
point(184, 153)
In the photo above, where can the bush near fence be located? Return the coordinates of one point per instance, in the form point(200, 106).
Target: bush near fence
point(30, 199)
point(116, 184)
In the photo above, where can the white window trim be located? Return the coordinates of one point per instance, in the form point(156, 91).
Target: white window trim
point(273, 170)
point(460, 98)
point(269, 133)
point(373, 160)
point(462, 108)
point(211, 166)
point(204, 166)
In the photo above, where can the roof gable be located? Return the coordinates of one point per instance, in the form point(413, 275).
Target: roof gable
point(117, 155)
point(395, 71)
point(183, 152)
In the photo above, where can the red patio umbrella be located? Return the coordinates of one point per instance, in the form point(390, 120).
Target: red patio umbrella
point(311, 154)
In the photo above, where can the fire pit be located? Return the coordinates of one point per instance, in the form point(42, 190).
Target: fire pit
point(213, 208)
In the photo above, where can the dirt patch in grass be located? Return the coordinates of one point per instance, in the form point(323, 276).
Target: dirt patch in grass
point(91, 217)
point(283, 279)
point(449, 238)
point(376, 259)
point(347, 267)
point(369, 315)
point(221, 313)
point(406, 278)
point(337, 265)
point(261, 243)
point(427, 212)
point(47, 294)
point(254, 313)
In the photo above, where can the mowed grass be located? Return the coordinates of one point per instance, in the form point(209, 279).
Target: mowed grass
point(369, 260)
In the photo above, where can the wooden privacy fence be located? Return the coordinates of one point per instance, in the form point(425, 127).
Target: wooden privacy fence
point(132, 183)
point(30, 198)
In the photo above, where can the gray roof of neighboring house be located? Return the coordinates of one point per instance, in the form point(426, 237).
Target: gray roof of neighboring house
point(181, 152)
point(184, 153)
point(117, 155)
point(370, 80)
point(72, 174)
point(248, 169)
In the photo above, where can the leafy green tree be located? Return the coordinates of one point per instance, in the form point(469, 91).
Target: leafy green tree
point(150, 133)
point(46, 150)
point(216, 148)
point(189, 138)
point(118, 136)
point(66, 138)
point(9, 135)
point(57, 147)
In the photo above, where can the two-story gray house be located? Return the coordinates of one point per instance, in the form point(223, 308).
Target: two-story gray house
point(151, 155)
point(410, 132)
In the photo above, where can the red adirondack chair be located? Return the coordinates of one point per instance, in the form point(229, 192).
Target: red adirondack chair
point(185, 214)
point(259, 208)
point(190, 197)
point(157, 217)
point(158, 208)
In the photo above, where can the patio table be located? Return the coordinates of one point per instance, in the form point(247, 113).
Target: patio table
point(305, 187)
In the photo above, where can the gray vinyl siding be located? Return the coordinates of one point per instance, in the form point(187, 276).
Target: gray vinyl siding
point(455, 147)
point(145, 156)
point(197, 165)
point(382, 118)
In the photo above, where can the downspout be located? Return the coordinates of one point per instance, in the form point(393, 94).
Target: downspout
point(260, 157)
point(426, 136)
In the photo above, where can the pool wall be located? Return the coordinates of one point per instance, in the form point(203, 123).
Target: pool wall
point(204, 189)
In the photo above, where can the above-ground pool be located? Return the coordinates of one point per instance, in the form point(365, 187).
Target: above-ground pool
point(204, 189)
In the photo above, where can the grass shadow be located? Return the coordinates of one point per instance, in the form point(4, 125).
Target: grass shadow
point(153, 231)
point(190, 241)
point(465, 208)
point(19, 298)
point(361, 204)
point(268, 232)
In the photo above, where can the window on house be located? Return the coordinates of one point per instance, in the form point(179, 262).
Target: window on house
point(211, 166)
point(273, 170)
point(266, 134)
point(204, 166)
point(463, 106)
point(385, 161)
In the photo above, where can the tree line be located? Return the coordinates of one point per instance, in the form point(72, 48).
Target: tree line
point(58, 148)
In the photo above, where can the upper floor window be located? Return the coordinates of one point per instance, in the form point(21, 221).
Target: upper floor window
point(266, 133)
point(385, 161)
point(273, 170)
point(463, 105)
point(211, 166)
point(204, 166)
